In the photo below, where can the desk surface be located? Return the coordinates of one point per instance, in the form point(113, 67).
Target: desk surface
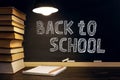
point(72, 73)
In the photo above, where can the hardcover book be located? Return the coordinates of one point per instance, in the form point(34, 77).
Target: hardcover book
point(14, 11)
point(10, 51)
point(11, 67)
point(10, 35)
point(11, 17)
point(11, 57)
point(10, 43)
point(11, 29)
point(11, 23)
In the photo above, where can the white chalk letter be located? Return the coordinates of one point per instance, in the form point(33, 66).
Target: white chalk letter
point(61, 45)
point(93, 24)
point(40, 27)
point(72, 45)
point(90, 41)
point(67, 27)
point(81, 26)
point(50, 27)
point(55, 46)
point(57, 31)
point(99, 50)
point(82, 48)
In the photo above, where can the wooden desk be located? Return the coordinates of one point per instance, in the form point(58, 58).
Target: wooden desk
point(72, 73)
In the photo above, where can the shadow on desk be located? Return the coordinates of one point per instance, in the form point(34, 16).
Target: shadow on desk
point(71, 73)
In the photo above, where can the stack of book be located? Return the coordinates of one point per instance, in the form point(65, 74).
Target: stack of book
point(11, 39)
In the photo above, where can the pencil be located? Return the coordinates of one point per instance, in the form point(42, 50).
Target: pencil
point(55, 69)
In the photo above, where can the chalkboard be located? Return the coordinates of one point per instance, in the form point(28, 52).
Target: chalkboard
point(82, 30)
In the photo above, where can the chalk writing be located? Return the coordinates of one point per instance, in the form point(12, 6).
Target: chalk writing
point(80, 45)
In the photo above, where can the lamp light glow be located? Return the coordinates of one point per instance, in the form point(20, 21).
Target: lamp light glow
point(46, 11)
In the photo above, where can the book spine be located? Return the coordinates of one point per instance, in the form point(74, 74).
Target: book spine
point(11, 36)
point(10, 43)
point(11, 57)
point(11, 23)
point(11, 29)
point(10, 51)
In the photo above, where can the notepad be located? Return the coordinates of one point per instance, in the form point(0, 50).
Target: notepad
point(45, 70)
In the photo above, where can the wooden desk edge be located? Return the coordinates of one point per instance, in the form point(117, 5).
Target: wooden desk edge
point(74, 64)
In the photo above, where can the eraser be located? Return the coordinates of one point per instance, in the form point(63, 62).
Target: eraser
point(97, 61)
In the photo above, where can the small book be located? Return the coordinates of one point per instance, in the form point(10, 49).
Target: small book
point(10, 35)
point(45, 70)
point(10, 43)
point(11, 17)
point(11, 23)
point(11, 29)
point(10, 51)
point(11, 67)
point(11, 57)
point(14, 11)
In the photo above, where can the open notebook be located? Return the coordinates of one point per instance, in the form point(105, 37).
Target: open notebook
point(45, 70)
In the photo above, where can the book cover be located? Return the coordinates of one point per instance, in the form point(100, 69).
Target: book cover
point(11, 57)
point(10, 43)
point(10, 35)
point(10, 50)
point(45, 70)
point(14, 11)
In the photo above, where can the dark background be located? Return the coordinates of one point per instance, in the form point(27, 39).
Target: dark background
point(105, 12)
